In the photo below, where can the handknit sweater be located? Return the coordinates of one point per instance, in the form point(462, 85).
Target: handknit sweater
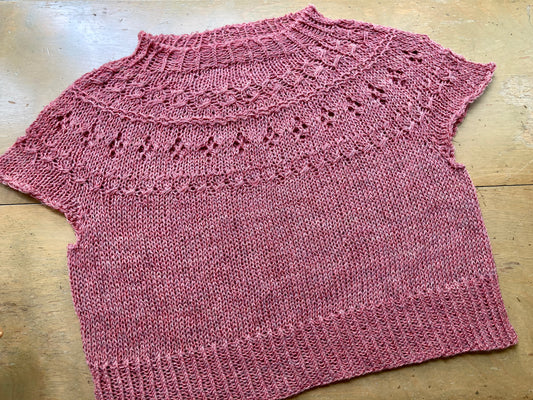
point(267, 207)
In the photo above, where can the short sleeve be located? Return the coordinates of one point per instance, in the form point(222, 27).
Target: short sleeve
point(444, 84)
point(41, 162)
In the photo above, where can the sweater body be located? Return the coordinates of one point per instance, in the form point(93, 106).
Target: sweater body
point(267, 207)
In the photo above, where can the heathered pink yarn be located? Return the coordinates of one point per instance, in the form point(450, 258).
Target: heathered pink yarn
point(267, 207)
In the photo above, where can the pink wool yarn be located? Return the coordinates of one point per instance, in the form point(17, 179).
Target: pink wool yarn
point(267, 207)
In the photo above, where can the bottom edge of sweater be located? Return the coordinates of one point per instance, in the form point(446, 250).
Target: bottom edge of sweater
point(465, 318)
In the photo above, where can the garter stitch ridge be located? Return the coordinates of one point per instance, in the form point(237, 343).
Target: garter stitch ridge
point(267, 207)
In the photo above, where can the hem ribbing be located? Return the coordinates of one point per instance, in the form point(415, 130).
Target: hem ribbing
point(468, 316)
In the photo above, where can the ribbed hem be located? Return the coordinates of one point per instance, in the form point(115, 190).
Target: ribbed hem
point(469, 316)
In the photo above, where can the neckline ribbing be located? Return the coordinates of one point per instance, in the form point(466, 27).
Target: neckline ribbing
point(241, 42)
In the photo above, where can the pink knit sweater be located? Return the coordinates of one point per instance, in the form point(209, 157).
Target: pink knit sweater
point(267, 207)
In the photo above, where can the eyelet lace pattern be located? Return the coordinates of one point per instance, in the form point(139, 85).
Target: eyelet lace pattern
point(243, 104)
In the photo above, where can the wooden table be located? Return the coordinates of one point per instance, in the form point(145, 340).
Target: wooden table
point(47, 45)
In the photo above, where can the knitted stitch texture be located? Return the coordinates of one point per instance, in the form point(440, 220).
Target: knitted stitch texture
point(267, 207)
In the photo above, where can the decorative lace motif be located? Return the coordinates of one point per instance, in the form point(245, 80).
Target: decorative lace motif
point(193, 113)
point(221, 95)
point(286, 144)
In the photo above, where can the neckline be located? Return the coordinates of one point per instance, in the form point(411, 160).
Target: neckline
point(305, 54)
point(299, 31)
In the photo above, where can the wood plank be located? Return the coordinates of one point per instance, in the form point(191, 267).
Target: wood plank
point(41, 349)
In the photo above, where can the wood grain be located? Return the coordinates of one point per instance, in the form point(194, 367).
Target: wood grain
point(47, 45)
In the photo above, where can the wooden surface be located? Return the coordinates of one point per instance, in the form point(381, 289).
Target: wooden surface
point(47, 45)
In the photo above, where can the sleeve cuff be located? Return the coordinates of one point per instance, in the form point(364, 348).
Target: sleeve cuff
point(37, 170)
point(458, 82)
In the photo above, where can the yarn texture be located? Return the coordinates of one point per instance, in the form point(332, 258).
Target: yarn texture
point(267, 207)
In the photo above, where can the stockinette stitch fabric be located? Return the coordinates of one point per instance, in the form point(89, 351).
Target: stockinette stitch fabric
point(267, 207)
